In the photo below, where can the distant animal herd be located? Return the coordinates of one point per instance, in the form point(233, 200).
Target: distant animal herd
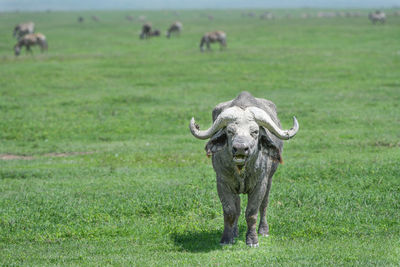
point(26, 36)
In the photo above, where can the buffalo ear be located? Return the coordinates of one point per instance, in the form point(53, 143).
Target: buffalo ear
point(271, 145)
point(216, 143)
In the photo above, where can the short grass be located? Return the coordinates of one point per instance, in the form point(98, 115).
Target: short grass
point(145, 195)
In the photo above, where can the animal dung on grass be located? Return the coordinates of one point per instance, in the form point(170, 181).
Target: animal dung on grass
point(245, 142)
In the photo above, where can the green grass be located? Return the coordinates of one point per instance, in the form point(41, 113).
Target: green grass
point(146, 193)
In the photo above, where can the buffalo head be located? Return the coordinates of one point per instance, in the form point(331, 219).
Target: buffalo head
point(241, 129)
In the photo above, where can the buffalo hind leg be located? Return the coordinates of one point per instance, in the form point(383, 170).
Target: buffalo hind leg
point(263, 228)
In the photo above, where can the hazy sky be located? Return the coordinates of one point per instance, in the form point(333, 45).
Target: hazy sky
point(7, 5)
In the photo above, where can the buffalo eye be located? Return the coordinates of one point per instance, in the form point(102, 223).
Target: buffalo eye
point(254, 133)
point(230, 131)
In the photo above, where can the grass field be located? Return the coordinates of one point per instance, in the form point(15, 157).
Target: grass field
point(133, 187)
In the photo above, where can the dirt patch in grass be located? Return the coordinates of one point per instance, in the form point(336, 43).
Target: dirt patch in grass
point(53, 155)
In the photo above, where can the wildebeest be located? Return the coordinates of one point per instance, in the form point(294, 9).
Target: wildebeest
point(80, 19)
point(305, 16)
point(175, 27)
point(212, 37)
point(377, 16)
point(146, 30)
point(156, 32)
point(326, 14)
point(246, 146)
point(267, 15)
point(23, 28)
point(142, 18)
point(29, 40)
point(249, 14)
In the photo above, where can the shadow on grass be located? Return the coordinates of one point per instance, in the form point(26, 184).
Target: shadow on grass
point(200, 241)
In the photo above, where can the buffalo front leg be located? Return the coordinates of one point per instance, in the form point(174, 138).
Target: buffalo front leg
point(263, 228)
point(253, 205)
point(229, 202)
point(235, 224)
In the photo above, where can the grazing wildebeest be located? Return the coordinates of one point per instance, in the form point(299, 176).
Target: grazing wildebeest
point(142, 18)
point(212, 37)
point(23, 28)
point(326, 14)
point(29, 40)
point(146, 30)
point(175, 27)
point(377, 16)
point(248, 14)
point(266, 15)
point(246, 146)
point(156, 32)
point(80, 19)
point(305, 16)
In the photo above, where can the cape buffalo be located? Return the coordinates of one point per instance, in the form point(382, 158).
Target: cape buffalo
point(23, 28)
point(31, 40)
point(175, 27)
point(212, 37)
point(246, 146)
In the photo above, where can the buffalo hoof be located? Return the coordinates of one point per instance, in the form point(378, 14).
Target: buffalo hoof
point(252, 239)
point(263, 231)
point(226, 241)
